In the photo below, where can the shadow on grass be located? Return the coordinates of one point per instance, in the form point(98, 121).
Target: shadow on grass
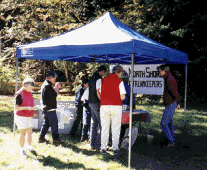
point(72, 144)
point(122, 158)
point(189, 153)
point(7, 119)
point(56, 163)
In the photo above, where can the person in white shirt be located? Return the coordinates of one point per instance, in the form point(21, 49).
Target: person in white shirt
point(86, 115)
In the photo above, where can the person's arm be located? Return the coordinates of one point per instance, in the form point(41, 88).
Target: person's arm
point(172, 87)
point(178, 106)
point(85, 95)
point(78, 96)
point(122, 90)
point(98, 94)
point(18, 108)
point(98, 88)
point(122, 96)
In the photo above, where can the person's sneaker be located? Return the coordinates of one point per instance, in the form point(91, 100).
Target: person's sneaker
point(58, 141)
point(93, 147)
point(103, 151)
point(31, 149)
point(42, 140)
point(23, 154)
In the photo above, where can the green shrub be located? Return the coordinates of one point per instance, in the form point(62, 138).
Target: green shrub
point(7, 75)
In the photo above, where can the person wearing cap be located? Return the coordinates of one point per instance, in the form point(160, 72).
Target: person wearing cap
point(49, 105)
point(126, 101)
point(94, 104)
point(78, 108)
point(112, 93)
point(171, 99)
point(24, 111)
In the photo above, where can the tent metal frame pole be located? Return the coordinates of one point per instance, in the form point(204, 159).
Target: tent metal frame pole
point(130, 113)
point(16, 83)
point(16, 86)
point(185, 100)
point(186, 85)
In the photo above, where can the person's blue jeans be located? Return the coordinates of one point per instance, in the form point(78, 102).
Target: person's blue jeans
point(86, 120)
point(86, 115)
point(167, 122)
point(50, 120)
point(95, 125)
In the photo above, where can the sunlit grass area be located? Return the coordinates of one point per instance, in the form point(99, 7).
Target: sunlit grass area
point(190, 151)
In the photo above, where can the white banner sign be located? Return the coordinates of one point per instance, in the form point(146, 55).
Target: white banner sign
point(146, 79)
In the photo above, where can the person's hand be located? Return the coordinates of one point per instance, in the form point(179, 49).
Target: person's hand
point(57, 87)
point(37, 107)
point(178, 106)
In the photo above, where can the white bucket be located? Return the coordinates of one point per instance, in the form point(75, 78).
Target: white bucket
point(150, 138)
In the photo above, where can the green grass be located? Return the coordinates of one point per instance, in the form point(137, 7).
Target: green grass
point(190, 151)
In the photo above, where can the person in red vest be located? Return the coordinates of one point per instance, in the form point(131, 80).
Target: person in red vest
point(24, 109)
point(111, 93)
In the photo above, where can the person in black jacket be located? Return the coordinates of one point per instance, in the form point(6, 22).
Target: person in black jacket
point(49, 105)
point(94, 104)
point(79, 108)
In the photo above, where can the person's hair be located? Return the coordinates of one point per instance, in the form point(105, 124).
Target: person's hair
point(85, 81)
point(164, 67)
point(117, 69)
point(125, 77)
point(28, 81)
point(101, 68)
point(51, 74)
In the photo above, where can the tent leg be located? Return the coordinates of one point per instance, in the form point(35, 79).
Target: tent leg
point(16, 85)
point(185, 100)
point(130, 115)
point(186, 85)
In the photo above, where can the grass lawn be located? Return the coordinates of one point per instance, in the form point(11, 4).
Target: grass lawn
point(190, 151)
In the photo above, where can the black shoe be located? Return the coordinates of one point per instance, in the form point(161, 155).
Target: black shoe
point(71, 136)
point(42, 140)
point(58, 141)
point(116, 152)
point(93, 147)
point(103, 151)
point(83, 139)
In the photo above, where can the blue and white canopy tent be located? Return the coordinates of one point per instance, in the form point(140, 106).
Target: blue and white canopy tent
point(104, 40)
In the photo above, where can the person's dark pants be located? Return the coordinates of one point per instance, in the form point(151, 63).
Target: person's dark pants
point(86, 120)
point(85, 131)
point(95, 125)
point(78, 120)
point(50, 120)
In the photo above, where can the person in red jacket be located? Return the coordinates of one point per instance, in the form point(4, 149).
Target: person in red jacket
point(111, 93)
point(171, 99)
point(24, 109)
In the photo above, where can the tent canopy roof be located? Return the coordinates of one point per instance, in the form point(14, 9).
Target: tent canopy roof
point(104, 40)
